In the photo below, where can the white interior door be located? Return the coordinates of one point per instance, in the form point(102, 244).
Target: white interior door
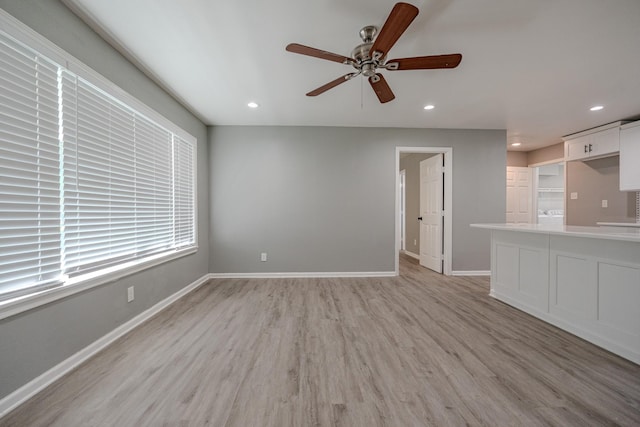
point(431, 195)
point(519, 195)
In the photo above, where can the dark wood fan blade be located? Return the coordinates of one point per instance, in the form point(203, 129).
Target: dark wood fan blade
point(381, 88)
point(317, 53)
point(401, 16)
point(332, 84)
point(424, 62)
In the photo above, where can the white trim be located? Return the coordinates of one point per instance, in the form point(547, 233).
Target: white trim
point(412, 255)
point(448, 202)
point(14, 306)
point(594, 130)
point(21, 395)
point(403, 209)
point(471, 273)
point(294, 275)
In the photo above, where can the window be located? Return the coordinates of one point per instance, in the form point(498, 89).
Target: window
point(29, 165)
point(87, 181)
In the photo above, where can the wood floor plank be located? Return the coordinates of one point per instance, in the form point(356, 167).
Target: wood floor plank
point(420, 349)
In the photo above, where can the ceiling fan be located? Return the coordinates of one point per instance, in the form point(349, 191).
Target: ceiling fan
point(371, 55)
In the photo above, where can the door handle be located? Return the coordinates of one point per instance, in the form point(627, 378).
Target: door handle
point(586, 148)
point(419, 218)
point(589, 147)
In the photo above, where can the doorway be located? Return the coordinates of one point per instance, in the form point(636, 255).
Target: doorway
point(447, 219)
point(549, 197)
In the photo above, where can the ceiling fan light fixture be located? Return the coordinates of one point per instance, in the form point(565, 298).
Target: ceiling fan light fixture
point(253, 105)
point(429, 107)
point(596, 108)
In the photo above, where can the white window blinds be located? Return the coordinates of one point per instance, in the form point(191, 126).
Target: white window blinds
point(183, 202)
point(87, 182)
point(29, 157)
point(118, 192)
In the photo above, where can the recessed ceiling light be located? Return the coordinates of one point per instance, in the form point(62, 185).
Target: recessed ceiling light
point(429, 107)
point(252, 105)
point(596, 108)
point(516, 144)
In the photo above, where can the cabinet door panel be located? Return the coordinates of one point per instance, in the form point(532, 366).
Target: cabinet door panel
point(575, 149)
point(618, 296)
point(605, 142)
point(574, 287)
point(630, 159)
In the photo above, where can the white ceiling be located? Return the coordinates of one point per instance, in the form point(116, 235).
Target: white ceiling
point(533, 67)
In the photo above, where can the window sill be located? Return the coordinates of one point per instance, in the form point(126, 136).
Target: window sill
point(24, 303)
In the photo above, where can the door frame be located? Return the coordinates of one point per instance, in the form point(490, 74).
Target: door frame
point(448, 202)
point(402, 206)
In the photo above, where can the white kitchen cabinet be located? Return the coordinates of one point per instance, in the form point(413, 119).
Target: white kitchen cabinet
point(576, 149)
point(630, 157)
point(585, 280)
point(594, 286)
point(592, 144)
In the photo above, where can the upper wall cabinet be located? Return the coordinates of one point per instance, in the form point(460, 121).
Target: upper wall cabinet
point(630, 157)
point(594, 143)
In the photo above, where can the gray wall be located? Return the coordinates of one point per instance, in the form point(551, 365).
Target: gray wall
point(594, 181)
point(411, 165)
point(34, 341)
point(322, 199)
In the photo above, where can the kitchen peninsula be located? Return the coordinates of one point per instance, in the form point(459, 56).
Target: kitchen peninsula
point(585, 280)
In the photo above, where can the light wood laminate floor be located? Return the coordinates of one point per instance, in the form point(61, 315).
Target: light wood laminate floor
point(417, 350)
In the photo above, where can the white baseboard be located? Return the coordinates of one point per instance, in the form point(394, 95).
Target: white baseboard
point(471, 273)
point(21, 395)
point(412, 255)
point(296, 275)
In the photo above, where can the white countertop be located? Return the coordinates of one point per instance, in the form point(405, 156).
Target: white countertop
point(620, 224)
point(607, 233)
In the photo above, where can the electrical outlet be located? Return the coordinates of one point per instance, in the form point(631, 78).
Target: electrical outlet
point(605, 203)
point(574, 196)
point(263, 257)
point(130, 295)
point(415, 242)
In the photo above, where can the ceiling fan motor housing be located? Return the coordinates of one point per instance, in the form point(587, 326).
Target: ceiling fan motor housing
point(363, 61)
point(362, 53)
